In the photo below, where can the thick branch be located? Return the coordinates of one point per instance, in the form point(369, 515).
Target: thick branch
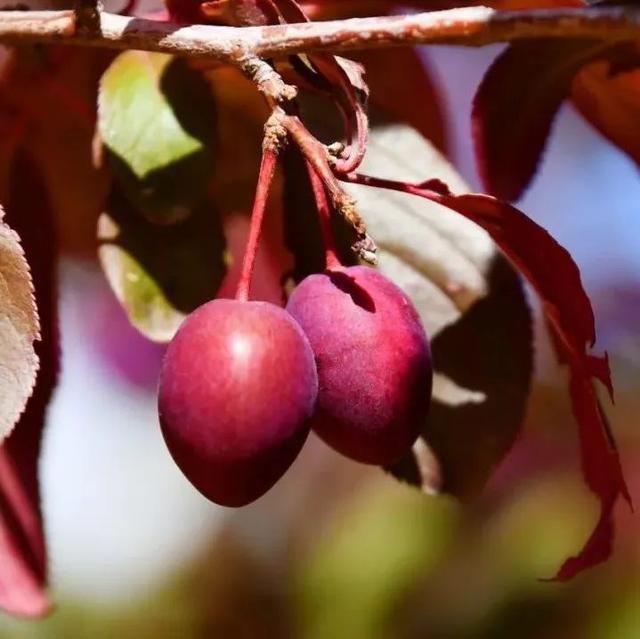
point(472, 26)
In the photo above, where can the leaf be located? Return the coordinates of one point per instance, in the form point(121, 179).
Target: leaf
point(158, 273)
point(60, 143)
point(237, 13)
point(19, 329)
point(185, 11)
point(47, 102)
point(473, 307)
point(611, 103)
point(515, 106)
point(240, 116)
point(22, 548)
point(157, 117)
point(513, 5)
point(417, 102)
point(394, 533)
point(553, 274)
point(337, 9)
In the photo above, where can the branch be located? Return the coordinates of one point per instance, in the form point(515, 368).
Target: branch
point(473, 26)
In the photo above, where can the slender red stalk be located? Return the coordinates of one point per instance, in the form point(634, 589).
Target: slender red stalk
point(352, 110)
point(348, 103)
point(265, 177)
point(324, 213)
point(434, 187)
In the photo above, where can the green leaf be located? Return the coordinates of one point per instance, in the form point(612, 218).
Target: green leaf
point(368, 556)
point(158, 273)
point(156, 116)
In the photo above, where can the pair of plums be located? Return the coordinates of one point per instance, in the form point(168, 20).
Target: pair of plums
point(242, 383)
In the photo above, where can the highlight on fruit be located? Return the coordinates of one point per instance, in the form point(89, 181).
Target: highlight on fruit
point(243, 381)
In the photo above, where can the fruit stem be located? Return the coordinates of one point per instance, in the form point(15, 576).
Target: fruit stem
point(265, 177)
point(324, 213)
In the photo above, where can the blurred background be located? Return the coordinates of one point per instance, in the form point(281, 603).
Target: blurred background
point(338, 549)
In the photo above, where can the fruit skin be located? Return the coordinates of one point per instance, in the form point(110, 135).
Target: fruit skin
point(237, 388)
point(373, 359)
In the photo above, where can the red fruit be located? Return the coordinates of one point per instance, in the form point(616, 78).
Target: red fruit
point(373, 359)
point(237, 387)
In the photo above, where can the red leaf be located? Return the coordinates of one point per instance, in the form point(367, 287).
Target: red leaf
point(49, 100)
point(611, 103)
point(334, 9)
point(417, 102)
point(22, 550)
point(550, 270)
point(240, 13)
point(601, 468)
point(513, 5)
point(554, 275)
point(515, 105)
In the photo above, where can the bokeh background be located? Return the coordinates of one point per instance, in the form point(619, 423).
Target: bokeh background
point(338, 549)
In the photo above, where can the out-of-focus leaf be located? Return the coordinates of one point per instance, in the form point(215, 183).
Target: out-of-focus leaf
point(19, 329)
point(161, 273)
point(47, 103)
point(416, 102)
point(187, 11)
point(611, 103)
point(472, 305)
point(60, 141)
point(157, 117)
point(237, 13)
point(516, 104)
point(22, 549)
point(513, 5)
point(240, 116)
point(367, 559)
point(335, 9)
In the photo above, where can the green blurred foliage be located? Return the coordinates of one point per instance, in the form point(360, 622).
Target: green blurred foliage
point(156, 116)
point(388, 563)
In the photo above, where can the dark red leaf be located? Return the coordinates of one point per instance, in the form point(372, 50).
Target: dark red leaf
point(416, 102)
point(335, 9)
point(49, 101)
point(611, 103)
point(22, 549)
point(515, 105)
point(601, 469)
point(551, 271)
point(239, 13)
point(513, 5)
